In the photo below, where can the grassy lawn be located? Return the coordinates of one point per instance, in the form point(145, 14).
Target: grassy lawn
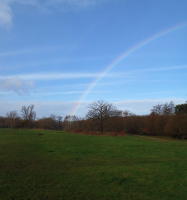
point(43, 165)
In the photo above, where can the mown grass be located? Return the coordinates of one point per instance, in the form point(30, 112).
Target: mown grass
point(51, 165)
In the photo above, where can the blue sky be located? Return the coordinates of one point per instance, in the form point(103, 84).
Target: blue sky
point(52, 51)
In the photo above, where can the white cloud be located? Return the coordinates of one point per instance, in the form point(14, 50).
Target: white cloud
point(57, 76)
point(16, 85)
point(6, 7)
point(5, 14)
point(6, 11)
point(129, 75)
point(69, 92)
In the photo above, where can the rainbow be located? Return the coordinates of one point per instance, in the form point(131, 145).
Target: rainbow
point(120, 58)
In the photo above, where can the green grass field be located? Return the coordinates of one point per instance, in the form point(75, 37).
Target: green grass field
point(43, 165)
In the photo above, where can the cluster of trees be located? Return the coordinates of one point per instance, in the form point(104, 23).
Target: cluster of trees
point(14, 120)
point(164, 120)
point(27, 119)
point(104, 118)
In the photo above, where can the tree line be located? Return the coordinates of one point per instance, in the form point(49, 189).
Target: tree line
point(104, 118)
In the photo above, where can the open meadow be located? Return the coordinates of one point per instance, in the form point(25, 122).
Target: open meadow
point(53, 165)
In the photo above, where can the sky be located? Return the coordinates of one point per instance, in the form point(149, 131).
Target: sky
point(62, 55)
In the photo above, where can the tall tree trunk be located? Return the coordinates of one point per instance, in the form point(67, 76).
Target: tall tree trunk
point(101, 126)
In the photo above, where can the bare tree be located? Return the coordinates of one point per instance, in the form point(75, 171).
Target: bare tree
point(57, 120)
point(12, 118)
point(69, 121)
point(169, 108)
point(163, 109)
point(157, 110)
point(100, 111)
point(28, 114)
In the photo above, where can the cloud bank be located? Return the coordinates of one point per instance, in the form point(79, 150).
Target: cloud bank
point(16, 85)
point(141, 106)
